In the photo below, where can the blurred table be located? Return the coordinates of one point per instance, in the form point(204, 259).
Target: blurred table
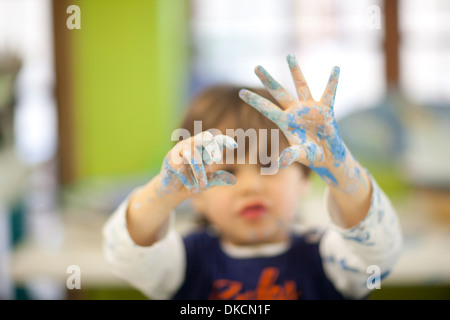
point(81, 246)
point(425, 259)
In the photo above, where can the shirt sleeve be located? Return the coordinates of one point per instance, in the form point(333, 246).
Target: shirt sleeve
point(357, 259)
point(156, 270)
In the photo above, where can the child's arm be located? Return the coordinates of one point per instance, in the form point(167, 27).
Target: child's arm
point(311, 129)
point(357, 259)
point(137, 240)
point(150, 206)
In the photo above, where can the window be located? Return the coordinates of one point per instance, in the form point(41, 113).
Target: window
point(230, 38)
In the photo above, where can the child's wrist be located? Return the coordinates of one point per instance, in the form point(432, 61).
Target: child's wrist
point(348, 175)
point(157, 196)
point(173, 195)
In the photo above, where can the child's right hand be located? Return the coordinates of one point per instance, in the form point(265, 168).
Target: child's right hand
point(187, 167)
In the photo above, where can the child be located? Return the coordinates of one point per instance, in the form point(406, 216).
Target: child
point(250, 250)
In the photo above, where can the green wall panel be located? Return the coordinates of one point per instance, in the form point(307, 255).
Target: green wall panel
point(130, 73)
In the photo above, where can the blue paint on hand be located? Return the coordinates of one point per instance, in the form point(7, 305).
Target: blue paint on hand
point(336, 146)
point(298, 129)
point(324, 173)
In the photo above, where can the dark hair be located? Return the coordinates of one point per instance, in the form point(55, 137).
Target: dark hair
point(220, 107)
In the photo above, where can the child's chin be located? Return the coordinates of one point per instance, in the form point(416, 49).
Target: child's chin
point(261, 236)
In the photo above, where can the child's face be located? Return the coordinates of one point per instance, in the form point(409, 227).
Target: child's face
point(258, 208)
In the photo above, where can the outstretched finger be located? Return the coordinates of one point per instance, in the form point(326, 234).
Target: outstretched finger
point(267, 108)
point(330, 91)
point(301, 86)
point(275, 89)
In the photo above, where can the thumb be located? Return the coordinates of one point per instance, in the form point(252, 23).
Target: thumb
point(221, 178)
point(306, 153)
point(289, 155)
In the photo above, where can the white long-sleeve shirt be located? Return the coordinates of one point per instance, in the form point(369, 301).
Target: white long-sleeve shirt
point(352, 259)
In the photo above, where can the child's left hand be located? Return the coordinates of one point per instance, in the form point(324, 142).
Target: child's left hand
point(309, 126)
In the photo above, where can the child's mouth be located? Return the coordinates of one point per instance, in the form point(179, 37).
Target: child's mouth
point(253, 211)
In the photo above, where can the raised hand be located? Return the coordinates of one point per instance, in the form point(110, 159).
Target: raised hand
point(187, 166)
point(309, 126)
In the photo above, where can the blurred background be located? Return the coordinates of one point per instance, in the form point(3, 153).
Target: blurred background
point(89, 96)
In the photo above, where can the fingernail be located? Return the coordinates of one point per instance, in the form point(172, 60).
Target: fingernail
point(243, 93)
point(259, 69)
point(336, 70)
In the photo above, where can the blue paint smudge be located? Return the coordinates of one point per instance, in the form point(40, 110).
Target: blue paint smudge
point(344, 266)
point(166, 178)
point(183, 179)
point(361, 238)
point(303, 111)
point(321, 132)
point(360, 177)
point(311, 152)
point(298, 129)
point(336, 146)
point(324, 172)
point(385, 274)
point(382, 276)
